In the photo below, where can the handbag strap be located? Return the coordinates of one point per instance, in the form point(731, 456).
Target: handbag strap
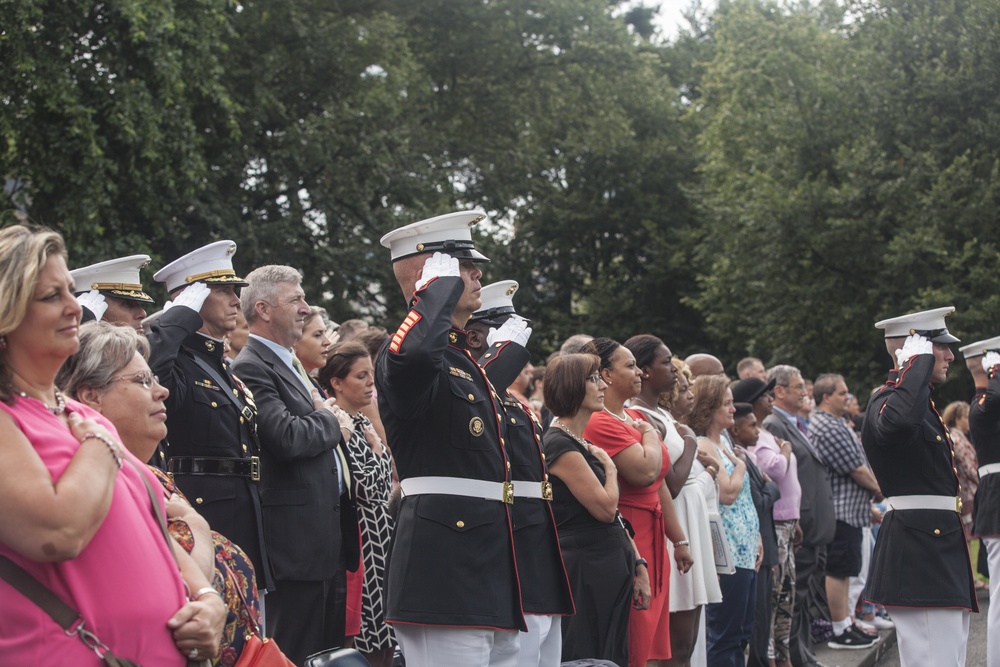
point(160, 521)
point(21, 580)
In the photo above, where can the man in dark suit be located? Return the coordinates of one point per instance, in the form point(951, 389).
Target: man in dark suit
point(303, 494)
point(816, 516)
point(920, 568)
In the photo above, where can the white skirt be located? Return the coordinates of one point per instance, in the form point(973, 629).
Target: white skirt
point(700, 586)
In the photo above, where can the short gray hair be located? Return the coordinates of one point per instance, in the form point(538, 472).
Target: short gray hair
point(782, 374)
point(262, 285)
point(105, 349)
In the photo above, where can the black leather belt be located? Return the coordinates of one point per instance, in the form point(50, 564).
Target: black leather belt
point(191, 465)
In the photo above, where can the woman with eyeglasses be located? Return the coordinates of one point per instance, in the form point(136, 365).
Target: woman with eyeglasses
point(606, 573)
point(77, 514)
point(110, 374)
point(350, 376)
point(691, 480)
point(643, 462)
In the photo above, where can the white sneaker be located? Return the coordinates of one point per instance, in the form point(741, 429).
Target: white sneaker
point(882, 623)
point(866, 626)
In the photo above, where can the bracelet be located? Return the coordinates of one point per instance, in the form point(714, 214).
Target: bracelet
point(643, 562)
point(198, 594)
point(112, 445)
point(713, 471)
point(682, 543)
point(688, 435)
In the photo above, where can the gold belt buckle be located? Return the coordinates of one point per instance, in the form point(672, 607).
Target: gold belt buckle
point(255, 468)
point(508, 493)
point(958, 504)
point(547, 491)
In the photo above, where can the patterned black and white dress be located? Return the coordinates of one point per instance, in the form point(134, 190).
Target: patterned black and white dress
point(372, 479)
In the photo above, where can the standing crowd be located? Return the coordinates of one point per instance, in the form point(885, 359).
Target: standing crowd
point(236, 466)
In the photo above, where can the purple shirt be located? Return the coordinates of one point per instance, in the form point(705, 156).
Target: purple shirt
point(784, 473)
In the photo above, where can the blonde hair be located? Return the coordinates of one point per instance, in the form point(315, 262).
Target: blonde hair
point(23, 254)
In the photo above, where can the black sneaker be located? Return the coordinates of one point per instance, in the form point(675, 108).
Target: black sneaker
point(852, 638)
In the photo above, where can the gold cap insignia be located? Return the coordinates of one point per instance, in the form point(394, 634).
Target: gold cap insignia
point(511, 290)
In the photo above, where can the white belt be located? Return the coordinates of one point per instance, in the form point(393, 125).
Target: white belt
point(989, 468)
point(476, 488)
point(540, 490)
point(947, 503)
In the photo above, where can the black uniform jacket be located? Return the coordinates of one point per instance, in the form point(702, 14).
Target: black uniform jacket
point(545, 587)
point(984, 431)
point(204, 424)
point(452, 558)
point(816, 515)
point(921, 558)
point(303, 508)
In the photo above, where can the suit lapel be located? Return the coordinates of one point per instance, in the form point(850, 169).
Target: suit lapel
point(280, 367)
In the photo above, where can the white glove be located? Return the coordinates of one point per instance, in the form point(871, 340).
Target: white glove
point(438, 264)
point(990, 359)
point(93, 301)
point(915, 344)
point(515, 329)
point(193, 296)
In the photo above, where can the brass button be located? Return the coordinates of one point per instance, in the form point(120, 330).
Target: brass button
point(214, 404)
point(503, 443)
point(488, 355)
point(198, 501)
point(513, 421)
point(939, 438)
point(460, 523)
point(498, 418)
point(508, 466)
point(955, 470)
point(937, 531)
point(244, 449)
point(235, 393)
point(242, 420)
point(472, 397)
point(543, 456)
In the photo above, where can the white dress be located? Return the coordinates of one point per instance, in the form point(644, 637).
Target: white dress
point(700, 586)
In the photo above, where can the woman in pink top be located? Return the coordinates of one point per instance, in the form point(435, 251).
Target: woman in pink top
point(77, 515)
point(642, 461)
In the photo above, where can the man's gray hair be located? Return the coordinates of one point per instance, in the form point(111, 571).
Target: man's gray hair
point(262, 285)
point(782, 374)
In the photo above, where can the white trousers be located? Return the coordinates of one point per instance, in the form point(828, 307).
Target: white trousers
point(541, 645)
point(931, 636)
point(992, 545)
point(440, 646)
point(857, 584)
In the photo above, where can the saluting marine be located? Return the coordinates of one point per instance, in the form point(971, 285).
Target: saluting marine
point(920, 568)
point(452, 587)
point(211, 419)
point(983, 360)
point(497, 335)
point(111, 291)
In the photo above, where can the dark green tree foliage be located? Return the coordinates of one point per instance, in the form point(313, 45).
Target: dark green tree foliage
point(849, 175)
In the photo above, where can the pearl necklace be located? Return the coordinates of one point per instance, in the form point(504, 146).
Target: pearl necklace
point(562, 427)
point(621, 419)
point(60, 402)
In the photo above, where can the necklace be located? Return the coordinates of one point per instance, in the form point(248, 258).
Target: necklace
point(621, 419)
point(562, 427)
point(654, 408)
point(60, 402)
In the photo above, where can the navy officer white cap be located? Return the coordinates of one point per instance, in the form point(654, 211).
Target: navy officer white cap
point(981, 347)
point(450, 233)
point(211, 264)
point(928, 323)
point(497, 302)
point(115, 277)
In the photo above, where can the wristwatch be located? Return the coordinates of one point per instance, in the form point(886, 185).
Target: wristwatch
point(641, 561)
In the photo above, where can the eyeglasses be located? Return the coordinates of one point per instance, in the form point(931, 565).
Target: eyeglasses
point(145, 378)
point(595, 378)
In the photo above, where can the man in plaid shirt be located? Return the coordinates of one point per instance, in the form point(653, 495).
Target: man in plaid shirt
point(853, 486)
